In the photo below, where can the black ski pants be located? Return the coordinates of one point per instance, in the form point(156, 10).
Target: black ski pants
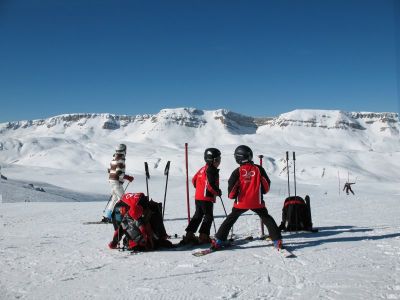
point(204, 212)
point(231, 219)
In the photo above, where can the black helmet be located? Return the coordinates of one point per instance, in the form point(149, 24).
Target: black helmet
point(243, 154)
point(211, 155)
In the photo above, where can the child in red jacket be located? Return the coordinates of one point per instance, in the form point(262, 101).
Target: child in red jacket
point(246, 185)
point(206, 182)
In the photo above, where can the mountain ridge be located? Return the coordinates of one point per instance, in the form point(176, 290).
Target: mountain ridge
point(329, 140)
point(192, 117)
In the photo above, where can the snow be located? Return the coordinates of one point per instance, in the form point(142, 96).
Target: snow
point(57, 181)
point(46, 251)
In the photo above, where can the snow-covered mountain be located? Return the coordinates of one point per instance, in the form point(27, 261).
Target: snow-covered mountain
point(232, 122)
point(46, 251)
point(325, 141)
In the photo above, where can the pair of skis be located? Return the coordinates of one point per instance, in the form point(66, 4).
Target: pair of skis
point(284, 252)
point(166, 173)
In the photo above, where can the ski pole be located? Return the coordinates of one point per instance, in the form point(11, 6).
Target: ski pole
point(226, 215)
point(215, 228)
point(126, 187)
point(261, 222)
point(109, 199)
point(146, 168)
point(290, 208)
point(187, 182)
point(287, 168)
point(166, 173)
point(223, 206)
point(294, 172)
point(295, 192)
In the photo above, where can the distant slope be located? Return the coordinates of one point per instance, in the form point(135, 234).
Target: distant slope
point(13, 191)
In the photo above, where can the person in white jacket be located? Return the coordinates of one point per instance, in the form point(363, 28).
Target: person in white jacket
point(116, 178)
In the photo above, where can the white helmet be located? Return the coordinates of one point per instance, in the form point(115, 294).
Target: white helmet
point(121, 148)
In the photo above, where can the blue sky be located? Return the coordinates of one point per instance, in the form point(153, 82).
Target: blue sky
point(259, 58)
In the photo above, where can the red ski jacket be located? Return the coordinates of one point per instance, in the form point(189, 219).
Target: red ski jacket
point(206, 182)
point(135, 210)
point(247, 184)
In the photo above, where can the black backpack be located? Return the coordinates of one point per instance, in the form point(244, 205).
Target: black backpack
point(296, 214)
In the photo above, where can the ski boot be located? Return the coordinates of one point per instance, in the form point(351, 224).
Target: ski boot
point(217, 244)
point(189, 238)
point(278, 244)
point(204, 238)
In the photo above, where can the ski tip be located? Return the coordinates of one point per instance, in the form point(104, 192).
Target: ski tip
point(203, 252)
point(95, 222)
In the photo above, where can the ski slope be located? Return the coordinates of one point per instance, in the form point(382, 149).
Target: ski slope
point(57, 180)
point(47, 252)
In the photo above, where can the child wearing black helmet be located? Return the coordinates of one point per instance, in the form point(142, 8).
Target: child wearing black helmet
point(206, 182)
point(246, 185)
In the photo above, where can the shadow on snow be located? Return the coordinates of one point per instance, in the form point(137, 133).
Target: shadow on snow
point(319, 238)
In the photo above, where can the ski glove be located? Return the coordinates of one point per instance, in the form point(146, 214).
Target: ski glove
point(129, 178)
point(113, 245)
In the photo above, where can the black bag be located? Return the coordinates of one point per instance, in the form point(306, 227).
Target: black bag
point(296, 215)
point(153, 215)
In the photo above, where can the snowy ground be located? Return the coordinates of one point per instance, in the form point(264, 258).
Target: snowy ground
point(47, 252)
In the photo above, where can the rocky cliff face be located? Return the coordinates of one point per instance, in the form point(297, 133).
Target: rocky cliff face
point(233, 122)
point(336, 120)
